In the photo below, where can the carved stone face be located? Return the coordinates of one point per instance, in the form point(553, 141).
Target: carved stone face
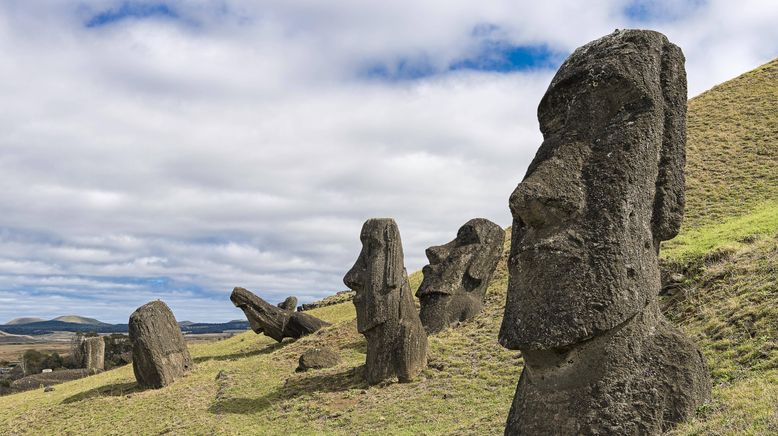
point(593, 206)
point(377, 275)
point(456, 277)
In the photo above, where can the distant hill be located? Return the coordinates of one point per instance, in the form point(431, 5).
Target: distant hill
point(24, 320)
point(46, 327)
point(75, 319)
point(185, 323)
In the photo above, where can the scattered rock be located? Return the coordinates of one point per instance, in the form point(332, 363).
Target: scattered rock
point(318, 358)
point(604, 189)
point(272, 321)
point(386, 313)
point(48, 388)
point(457, 275)
point(159, 353)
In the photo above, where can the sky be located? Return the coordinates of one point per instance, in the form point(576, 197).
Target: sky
point(174, 149)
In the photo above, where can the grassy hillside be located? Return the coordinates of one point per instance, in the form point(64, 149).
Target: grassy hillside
point(732, 147)
point(727, 301)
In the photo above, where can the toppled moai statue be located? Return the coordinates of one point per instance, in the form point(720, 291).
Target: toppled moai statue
point(289, 304)
point(604, 189)
point(159, 353)
point(92, 353)
point(456, 278)
point(386, 313)
point(317, 358)
point(273, 321)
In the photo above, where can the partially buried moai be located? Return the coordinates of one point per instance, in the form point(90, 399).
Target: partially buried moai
point(386, 313)
point(159, 352)
point(277, 322)
point(456, 278)
point(604, 189)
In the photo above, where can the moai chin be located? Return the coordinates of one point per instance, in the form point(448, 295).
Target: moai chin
point(456, 278)
point(386, 313)
point(604, 189)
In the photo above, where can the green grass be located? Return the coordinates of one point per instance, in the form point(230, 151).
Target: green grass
point(732, 147)
point(699, 242)
point(728, 250)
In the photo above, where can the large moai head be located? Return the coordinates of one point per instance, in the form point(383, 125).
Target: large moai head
point(458, 273)
point(605, 187)
point(378, 274)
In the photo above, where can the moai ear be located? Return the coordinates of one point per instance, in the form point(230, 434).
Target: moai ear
point(392, 247)
point(669, 197)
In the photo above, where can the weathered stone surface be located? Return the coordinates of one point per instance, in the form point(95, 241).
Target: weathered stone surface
point(92, 353)
point(289, 304)
point(605, 188)
point(318, 358)
point(272, 321)
point(159, 353)
point(386, 313)
point(456, 278)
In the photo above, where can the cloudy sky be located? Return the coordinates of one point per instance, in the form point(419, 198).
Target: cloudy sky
point(175, 150)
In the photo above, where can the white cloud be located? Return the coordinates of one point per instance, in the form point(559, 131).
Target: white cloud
point(238, 145)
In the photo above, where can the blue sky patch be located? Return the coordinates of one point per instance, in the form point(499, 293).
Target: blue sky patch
point(645, 11)
point(131, 10)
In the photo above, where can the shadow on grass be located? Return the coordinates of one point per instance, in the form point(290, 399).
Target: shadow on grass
point(264, 350)
point(295, 386)
point(114, 390)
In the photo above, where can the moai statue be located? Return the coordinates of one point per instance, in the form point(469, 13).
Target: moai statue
point(289, 304)
point(456, 278)
point(159, 353)
point(604, 189)
point(386, 313)
point(92, 353)
point(275, 322)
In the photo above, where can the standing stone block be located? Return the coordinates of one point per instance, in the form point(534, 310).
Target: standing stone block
point(273, 321)
point(92, 352)
point(604, 189)
point(386, 313)
point(455, 280)
point(159, 353)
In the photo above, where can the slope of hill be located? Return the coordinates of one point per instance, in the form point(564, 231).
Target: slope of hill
point(732, 147)
point(6, 338)
point(727, 300)
point(25, 320)
point(75, 319)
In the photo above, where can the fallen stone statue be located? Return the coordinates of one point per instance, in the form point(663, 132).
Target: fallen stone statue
point(455, 280)
point(159, 353)
point(274, 321)
point(604, 189)
point(386, 313)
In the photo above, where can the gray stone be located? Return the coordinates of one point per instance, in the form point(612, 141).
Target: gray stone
point(289, 304)
point(159, 353)
point(272, 321)
point(604, 189)
point(386, 313)
point(318, 358)
point(456, 278)
point(92, 353)
point(48, 388)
